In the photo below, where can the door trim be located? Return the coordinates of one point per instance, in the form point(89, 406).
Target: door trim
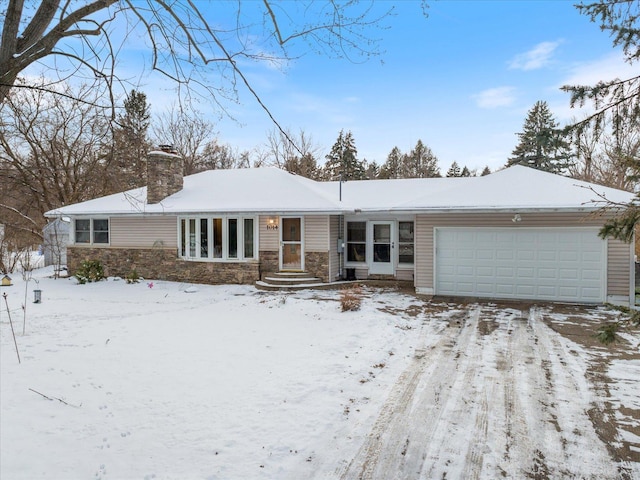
point(382, 268)
point(282, 244)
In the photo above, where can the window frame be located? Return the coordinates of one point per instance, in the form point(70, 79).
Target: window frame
point(412, 242)
point(92, 231)
point(215, 252)
point(364, 242)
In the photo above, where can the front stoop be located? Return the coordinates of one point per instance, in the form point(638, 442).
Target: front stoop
point(288, 281)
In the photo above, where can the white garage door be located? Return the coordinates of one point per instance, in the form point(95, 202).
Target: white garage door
point(524, 263)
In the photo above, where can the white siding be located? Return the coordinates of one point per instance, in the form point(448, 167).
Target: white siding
point(618, 267)
point(269, 238)
point(144, 232)
point(316, 233)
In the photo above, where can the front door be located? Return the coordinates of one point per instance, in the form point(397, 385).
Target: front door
point(382, 248)
point(291, 254)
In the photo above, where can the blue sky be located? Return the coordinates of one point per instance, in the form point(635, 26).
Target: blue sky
point(461, 80)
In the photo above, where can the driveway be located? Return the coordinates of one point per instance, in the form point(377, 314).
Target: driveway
point(509, 391)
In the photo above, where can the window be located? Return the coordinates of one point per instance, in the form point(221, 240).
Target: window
point(248, 238)
point(92, 230)
point(232, 237)
point(83, 231)
point(183, 238)
point(405, 242)
point(192, 237)
point(217, 237)
point(205, 238)
point(356, 241)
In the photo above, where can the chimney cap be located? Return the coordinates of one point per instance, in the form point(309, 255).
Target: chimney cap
point(168, 148)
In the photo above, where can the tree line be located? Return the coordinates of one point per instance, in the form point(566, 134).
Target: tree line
point(60, 145)
point(57, 150)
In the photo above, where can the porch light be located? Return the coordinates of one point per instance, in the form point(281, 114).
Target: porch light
point(516, 218)
point(272, 223)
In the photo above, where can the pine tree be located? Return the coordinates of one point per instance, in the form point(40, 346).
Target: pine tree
point(421, 163)
point(454, 170)
point(131, 143)
point(465, 172)
point(342, 162)
point(542, 144)
point(372, 170)
point(486, 171)
point(392, 168)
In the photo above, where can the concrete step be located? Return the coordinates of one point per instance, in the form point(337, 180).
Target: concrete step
point(291, 281)
point(288, 275)
point(288, 281)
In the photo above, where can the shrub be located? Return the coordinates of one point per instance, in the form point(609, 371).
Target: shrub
point(351, 299)
point(90, 271)
point(132, 277)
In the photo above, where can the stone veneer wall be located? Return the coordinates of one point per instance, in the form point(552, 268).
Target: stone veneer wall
point(269, 262)
point(317, 264)
point(163, 264)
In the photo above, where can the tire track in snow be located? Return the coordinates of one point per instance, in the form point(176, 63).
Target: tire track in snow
point(500, 404)
point(411, 419)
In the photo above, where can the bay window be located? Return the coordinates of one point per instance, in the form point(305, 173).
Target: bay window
point(217, 238)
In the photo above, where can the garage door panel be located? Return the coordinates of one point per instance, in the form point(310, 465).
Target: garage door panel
point(568, 256)
point(505, 254)
point(524, 273)
point(591, 274)
point(505, 272)
point(593, 293)
point(465, 287)
point(485, 254)
point(547, 273)
point(505, 289)
point(547, 256)
point(465, 270)
point(527, 263)
point(568, 274)
point(591, 257)
point(485, 288)
point(485, 271)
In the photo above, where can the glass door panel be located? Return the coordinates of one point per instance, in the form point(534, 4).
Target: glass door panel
point(382, 237)
point(291, 255)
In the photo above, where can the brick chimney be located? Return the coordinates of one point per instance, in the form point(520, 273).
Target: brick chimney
point(164, 173)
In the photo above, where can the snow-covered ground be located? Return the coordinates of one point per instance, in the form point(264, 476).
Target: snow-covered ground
point(161, 380)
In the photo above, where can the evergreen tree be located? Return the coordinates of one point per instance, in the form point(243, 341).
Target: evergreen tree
point(542, 144)
point(372, 170)
point(613, 99)
point(392, 168)
point(421, 163)
point(616, 101)
point(454, 170)
point(342, 162)
point(486, 171)
point(130, 143)
point(305, 166)
point(465, 172)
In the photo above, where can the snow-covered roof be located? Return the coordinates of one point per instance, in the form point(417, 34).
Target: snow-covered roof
point(271, 190)
point(516, 187)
